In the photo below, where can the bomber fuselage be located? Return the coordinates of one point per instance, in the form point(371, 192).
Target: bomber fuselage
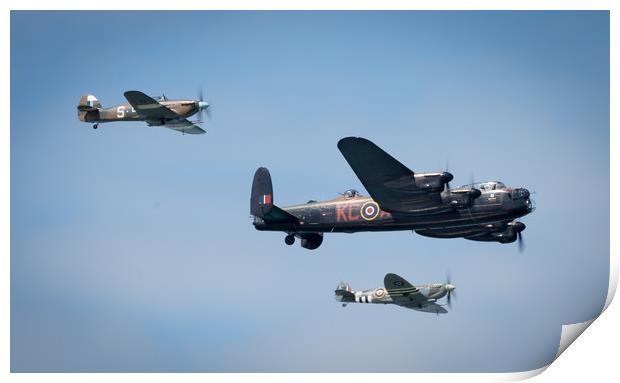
point(356, 213)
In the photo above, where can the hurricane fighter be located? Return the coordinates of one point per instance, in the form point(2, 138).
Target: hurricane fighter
point(399, 200)
point(398, 291)
point(159, 111)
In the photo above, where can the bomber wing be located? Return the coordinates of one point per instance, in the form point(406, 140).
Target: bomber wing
point(477, 232)
point(388, 182)
point(402, 292)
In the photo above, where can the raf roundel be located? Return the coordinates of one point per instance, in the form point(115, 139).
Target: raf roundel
point(379, 293)
point(369, 211)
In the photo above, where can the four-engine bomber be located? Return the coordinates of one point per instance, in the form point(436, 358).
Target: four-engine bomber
point(399, 200)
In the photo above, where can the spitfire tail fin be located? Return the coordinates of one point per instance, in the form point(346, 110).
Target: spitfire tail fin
point(344, 293)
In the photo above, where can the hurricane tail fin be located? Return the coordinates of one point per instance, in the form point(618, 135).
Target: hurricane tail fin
point(88, 108)
point(88, 102)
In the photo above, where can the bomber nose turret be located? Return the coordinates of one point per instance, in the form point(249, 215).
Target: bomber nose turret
point(523, 193)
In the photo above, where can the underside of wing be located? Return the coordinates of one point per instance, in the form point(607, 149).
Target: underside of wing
point(184, 126)
point(401, 291)
point(456, 232)
point(148, 107)
point(495, 232)
point(389, 182)
point(504, 232)
point(428, 307)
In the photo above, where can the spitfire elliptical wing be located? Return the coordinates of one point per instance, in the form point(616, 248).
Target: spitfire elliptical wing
point(428, 307)
point(148, 107)
point(390, 183)
point(402, 292)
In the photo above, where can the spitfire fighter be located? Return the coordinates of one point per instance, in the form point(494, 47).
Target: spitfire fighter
point(399, 292)
point(159, 111)
point(399, 200)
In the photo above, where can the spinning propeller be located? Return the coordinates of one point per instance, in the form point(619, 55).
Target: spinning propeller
point(448, 176)
point(203, 106)
point(520, 242)
point(518, 227)
point(450, 288)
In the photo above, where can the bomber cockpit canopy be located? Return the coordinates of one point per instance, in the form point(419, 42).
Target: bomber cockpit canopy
point(486, 186)
point(351, 193)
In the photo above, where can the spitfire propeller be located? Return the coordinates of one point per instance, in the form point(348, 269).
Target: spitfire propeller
point(450, 288)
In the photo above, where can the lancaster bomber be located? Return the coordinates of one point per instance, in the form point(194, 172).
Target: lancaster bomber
point(159, 111)
point(399, 200)
point(399, 292)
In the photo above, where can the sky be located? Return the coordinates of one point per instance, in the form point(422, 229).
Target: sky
point(132, 248)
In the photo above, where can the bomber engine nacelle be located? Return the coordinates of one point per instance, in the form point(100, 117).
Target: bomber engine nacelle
point(506, 234)
point(311, 241)
point(459, 198)
point(432, 181)
point(511, 232)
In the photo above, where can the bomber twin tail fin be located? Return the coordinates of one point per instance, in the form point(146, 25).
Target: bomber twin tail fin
point(261, 200)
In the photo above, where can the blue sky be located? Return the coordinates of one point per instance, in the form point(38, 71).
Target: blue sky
point(132, 248)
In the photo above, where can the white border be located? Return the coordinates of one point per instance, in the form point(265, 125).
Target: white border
point(593, 358)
